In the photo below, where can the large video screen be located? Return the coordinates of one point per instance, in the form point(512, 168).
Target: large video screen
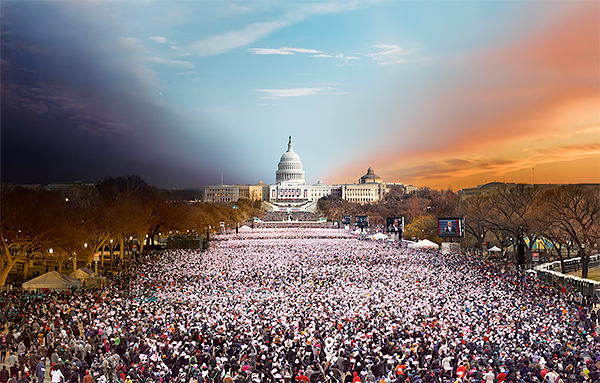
point(394, 224)
point(451, 227)
point(362, 220)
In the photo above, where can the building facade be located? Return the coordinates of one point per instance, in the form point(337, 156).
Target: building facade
point(222, 193)
point(291, 193)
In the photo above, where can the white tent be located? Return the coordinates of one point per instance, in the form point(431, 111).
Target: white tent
point(82, 273)
point(424, 244)
point(378, 236)
point(87, 277)
point(52, 280)
point(495, 248)
point(93, 282)
point(244, 228)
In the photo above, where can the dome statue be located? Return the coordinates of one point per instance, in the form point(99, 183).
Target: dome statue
point(289, 170)
point(370, 177)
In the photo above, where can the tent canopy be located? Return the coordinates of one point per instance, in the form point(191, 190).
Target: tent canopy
point(52, 280)
point(82, 273)
point(424, 244)
point(494, 248)
point(378, 236)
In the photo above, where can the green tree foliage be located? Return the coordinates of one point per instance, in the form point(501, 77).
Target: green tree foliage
point(422, 227)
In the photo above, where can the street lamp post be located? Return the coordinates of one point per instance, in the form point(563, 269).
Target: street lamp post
point(584, 261)
point(130, 247)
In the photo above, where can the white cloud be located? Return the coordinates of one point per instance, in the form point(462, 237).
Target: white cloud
point(233, 39)
point(158, 39)
point(175, 48)
point(269, 51)
point(344, 59)
point(328, 8)
point(388, 54)
point(283, 51)
point(341, 56)
point(292, 92)
point(322, 55)
point(218, 44)
point(160, 60)
point(238, 8)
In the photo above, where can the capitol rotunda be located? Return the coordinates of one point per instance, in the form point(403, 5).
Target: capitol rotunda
point(289, 171)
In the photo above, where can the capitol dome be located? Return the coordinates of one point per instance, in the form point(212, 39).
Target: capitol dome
point(289, 170)
point(370, 178)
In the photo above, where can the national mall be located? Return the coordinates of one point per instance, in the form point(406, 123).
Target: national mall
point(290, 192)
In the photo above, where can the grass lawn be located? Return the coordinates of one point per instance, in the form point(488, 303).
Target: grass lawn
point(593, 274)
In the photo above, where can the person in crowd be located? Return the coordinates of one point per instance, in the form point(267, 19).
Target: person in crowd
point(4, 375)
point(273, 306)
point(56, 375)
point(40, 371)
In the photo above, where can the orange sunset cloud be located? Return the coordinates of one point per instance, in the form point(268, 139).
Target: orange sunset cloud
point(532, 103)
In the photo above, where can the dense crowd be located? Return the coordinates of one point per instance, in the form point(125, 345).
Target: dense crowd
point(303, 306)
point(290, 216)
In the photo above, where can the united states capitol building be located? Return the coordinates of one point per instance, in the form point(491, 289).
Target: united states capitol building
point(291, 193)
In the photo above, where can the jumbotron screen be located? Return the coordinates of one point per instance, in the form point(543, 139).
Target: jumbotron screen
point(362, 220)
point(394, 224)
point(451, 227)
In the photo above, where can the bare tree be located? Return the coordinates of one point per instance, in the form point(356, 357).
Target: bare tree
point(515, 208)
point(25, 228)
point(477, 212)
point(575, 210)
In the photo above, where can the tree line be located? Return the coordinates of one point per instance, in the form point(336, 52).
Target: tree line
point(80, 221)
point(565, 216)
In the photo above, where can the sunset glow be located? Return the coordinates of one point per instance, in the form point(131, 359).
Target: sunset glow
point(433, 94)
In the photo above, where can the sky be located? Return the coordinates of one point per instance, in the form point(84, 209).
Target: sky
point(443, 94)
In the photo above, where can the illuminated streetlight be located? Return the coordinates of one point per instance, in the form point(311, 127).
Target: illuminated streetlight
point(50, 251)
point(85, 245)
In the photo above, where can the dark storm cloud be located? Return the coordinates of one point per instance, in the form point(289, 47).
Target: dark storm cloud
point(78, 103)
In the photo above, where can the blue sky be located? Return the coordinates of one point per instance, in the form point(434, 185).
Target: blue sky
point(180, 92)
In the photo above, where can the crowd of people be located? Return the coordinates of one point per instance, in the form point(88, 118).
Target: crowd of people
point(306, 305)
point(278, 216)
